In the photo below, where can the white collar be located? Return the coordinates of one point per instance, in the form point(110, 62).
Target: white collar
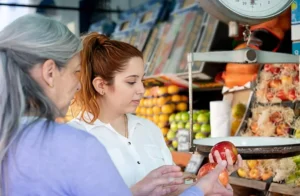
point(132, 121)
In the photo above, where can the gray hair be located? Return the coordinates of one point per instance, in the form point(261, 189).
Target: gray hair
point(28, 41)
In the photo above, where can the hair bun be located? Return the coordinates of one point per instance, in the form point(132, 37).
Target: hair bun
point(102, 38)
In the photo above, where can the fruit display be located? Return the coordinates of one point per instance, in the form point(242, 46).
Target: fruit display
point(272, 114)
point(159, 104)
point(276, 170)
point(278, 83)
point(271, 121)
point(180, 120)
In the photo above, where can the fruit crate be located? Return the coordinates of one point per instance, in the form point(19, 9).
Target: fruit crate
point(282, 190)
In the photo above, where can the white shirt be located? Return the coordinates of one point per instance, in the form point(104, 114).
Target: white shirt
point(143, 151)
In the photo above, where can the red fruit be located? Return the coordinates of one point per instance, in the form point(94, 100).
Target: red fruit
point(281, 95)
point(282, 129)
point(276, 117)
point(292, 95)
point(271, 68)
point(221, 147)
point(275, 83)
point(205, 169)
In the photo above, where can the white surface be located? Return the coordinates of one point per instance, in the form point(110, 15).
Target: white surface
point(249, 141)
point(220, 112)
point(147, 146)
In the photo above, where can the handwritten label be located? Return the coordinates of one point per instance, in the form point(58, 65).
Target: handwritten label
point(183, 137)
point(194, 163)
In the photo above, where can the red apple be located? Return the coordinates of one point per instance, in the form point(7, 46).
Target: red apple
point(275, 83)
point(292, 95)
point(205, 169)
point(271, 68)
point(221, 147)
point(281, 95)
point(276, 117)
point(282, 129)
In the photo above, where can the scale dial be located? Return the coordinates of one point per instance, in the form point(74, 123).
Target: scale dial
point(246, 12)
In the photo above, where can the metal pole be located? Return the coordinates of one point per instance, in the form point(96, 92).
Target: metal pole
point(190, 65)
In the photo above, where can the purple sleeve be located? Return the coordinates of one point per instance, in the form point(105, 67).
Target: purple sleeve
point(97, 175)
point(193, 191)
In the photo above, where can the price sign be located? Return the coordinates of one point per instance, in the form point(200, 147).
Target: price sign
point(194, 163)
point(183, 140)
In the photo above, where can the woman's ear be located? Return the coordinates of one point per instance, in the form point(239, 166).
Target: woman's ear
point(49, 72)
point(99, 85)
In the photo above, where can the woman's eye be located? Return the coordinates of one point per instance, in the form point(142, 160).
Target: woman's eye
point(131, 83)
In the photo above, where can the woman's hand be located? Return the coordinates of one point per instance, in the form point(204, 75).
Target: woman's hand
point(230, 167)
point(159, 182)
point(210, 184)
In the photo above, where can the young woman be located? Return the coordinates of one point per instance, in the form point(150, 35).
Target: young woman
point(39, 66)
point(112, 86)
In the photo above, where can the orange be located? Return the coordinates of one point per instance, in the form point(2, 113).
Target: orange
point(167, 109)
point(150, 103)
point(181, 107)
point(175, 98)
point(142, 102)
point(154, 100)
point(184, 98)
point(138, 110)
point(147, 92)
point(164, 131)
point(163, 118)
point(149, 112)
point(143, 111)
point(156, 118)
point(161, 101)
point(173, 89)
point(161, 124)
point(162, 91)
point(156, 110)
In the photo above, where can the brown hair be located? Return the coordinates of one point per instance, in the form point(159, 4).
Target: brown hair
point(100, 57)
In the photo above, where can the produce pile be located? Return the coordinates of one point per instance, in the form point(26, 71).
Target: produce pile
point(278, 83)
point(273, 115)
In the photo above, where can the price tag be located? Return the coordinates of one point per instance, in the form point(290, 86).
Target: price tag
point(183, 140)
point(194, 163)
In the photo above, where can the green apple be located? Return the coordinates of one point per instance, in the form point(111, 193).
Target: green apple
point(172, 118)
point(195, 116)
point(196, 128)
point(175, 143)
point(185, 116)
point(171, 148)
point(171, 135)
point(205, 129)
point(180, 125)
point(187, 125)
point(173, 126)
point(296, 159)
point(200, 135)
point(291, 179)
point(203, 118)
point(178, 117)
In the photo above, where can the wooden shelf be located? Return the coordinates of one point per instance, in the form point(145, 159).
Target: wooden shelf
point(283, 189)
point(254, 184)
